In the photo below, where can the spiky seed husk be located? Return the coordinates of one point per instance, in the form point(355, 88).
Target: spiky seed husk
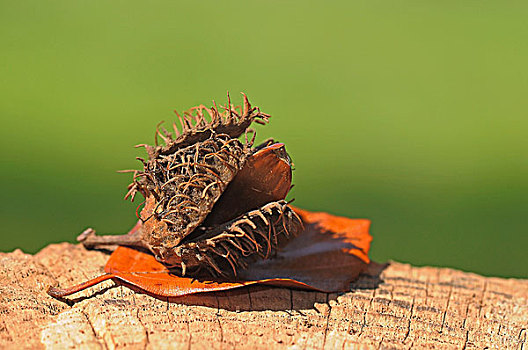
point(182, 180)
point(225, 249)
point(181, 188)
point(198, 123)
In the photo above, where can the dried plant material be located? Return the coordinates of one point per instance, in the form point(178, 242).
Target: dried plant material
point(213, 203)
point(266, 177)
point(215, 217)
point(326, 256)
point(200, 123)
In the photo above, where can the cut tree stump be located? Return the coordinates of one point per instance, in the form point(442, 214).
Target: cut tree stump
point(394, 306)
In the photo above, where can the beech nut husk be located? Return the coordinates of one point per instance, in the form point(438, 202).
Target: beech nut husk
point(213, 203)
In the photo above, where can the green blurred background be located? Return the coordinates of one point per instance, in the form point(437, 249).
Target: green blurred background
point(410, 113)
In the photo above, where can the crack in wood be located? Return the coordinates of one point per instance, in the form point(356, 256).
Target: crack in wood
point(327, 319)
point(364, 323)
point(466, 341)
point(409, 324)
point(90, 323)
point(446, 308)
point(145, 345)
point(218, 315)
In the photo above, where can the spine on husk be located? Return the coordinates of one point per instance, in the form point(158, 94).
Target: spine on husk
point(224, 250)
point(200, 122)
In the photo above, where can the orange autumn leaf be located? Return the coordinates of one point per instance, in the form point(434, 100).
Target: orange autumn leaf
point(326, 256)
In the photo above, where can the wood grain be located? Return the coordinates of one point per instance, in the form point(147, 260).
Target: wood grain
point(394, 306)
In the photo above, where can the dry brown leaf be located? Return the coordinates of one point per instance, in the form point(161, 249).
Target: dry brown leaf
point(329, 253)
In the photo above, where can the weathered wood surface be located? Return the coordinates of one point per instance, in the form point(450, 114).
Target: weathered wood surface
point(397, 306)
